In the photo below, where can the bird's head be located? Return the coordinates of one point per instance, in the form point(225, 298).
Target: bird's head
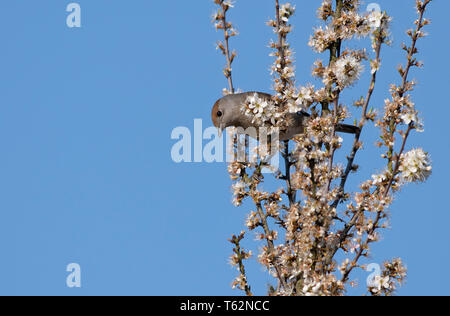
point(227, 111)
point(220, 115)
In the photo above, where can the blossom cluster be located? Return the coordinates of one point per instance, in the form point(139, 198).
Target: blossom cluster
point(348, 25)
point(393, 275)
point(415, 166)
point(262, 112)
point(283, 65)
point(311, 221)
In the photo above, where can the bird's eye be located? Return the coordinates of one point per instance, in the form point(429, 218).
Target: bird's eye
point(219, 113)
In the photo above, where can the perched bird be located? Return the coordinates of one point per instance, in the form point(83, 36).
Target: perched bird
point(227, 112)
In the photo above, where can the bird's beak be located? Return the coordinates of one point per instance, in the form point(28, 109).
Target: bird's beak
point(221, 128)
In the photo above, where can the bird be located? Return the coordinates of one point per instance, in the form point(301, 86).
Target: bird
point(227, 112)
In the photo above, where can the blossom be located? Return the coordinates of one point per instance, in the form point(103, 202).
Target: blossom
point(347, 70)
point(239, 283)
point(412, 117)
point(312, 290)
point(415, 166)
point(379, 178)
point(379, 283)
point(235, 169)
point(325, 10)
point(261, 111)
point(252, 221)
point(374, 19)
point(239, 193)
point(306, 95)
point(322, 39)
point(286, 11)
point(377, 19)
point(374, 66)
point(302, 99)
point(229, 3)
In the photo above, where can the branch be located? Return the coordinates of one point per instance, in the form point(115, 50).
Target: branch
point(410, 62)
point(291, 193)
point(379, 213)
point(227, 27)
point(356, 144)
point(280, 45)
point(270, 243)
point(238, 260)
point(335, 52)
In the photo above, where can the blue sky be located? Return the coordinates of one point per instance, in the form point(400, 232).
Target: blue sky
point(85, 169)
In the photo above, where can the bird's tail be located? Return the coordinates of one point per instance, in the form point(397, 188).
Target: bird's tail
point(349, 129)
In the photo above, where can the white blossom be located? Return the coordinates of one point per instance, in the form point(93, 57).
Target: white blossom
point(260, 110)
point(229, 3)
point(322, 39)
point(303, 99)
point(412, 117)
point(347, 70)
point(374, 19)
point(380, 283)
point(286, 11)
point(239, 193)
point(379, 178)
point(377, 19)
point(415, 166)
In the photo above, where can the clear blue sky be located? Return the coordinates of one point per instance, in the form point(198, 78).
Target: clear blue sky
point(85, 169)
